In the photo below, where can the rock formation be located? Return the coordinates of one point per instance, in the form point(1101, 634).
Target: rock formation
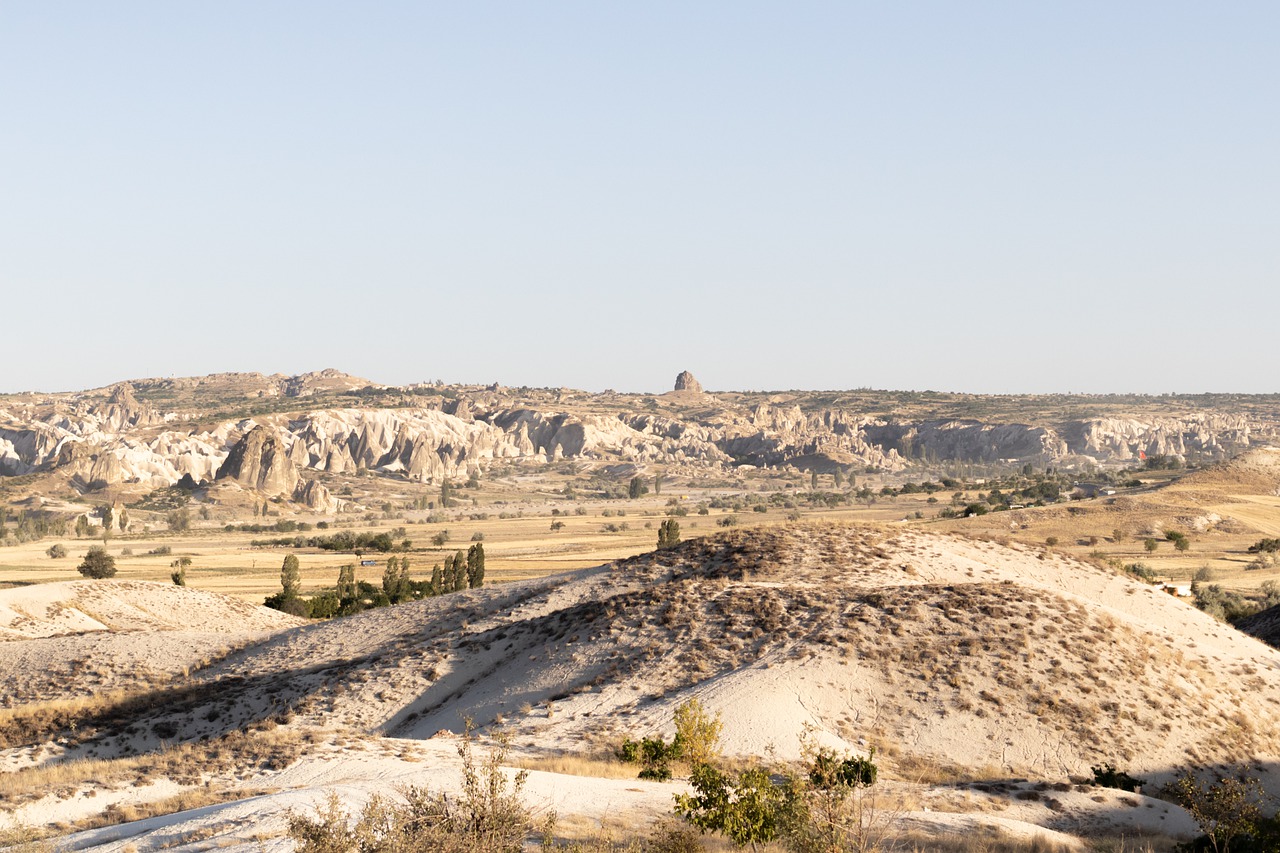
point(686, 382)
point(260, 461)
point(111, 438)
point(313, 495)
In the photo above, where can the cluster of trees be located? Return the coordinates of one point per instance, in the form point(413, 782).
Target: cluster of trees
point(1265, 546)
point(344, 541)
point(284, 525)
point(462, 570)
point(30, 526)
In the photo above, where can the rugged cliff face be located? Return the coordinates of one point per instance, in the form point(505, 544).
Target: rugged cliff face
point(108, 438)
point(259, 461)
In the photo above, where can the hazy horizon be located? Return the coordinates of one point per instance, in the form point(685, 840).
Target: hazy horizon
point(989, 198)
point(651, 390)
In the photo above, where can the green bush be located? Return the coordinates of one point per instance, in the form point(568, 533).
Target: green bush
point(654, 753)
point(97, 564)
point(829, 770)
point(750, 809)
point(1107, 776)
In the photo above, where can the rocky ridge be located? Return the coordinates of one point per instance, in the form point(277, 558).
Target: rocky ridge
point(111, 437)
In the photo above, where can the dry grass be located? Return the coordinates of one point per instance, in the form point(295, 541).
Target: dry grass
point(181, 802)
point(38, 722)
point(187, 764)
point(571, 764)
point(975, 841)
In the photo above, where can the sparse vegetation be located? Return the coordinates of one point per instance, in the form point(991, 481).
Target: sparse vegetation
point(489, 816)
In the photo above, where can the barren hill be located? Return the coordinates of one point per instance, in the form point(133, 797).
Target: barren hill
point(936, 648)
point(955, 658)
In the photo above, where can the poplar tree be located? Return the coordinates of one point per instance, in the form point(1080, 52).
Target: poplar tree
point(459, 572)
point(391, 580)
point(290, 577)
point(475, 566)
point(347, 582)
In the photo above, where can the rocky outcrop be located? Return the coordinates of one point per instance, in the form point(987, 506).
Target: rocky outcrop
point(105, 471)
point(260, 461)
point(308, 384)
point(686, 382)
point(967, 441)
point(313, 495)
point(1128, 439)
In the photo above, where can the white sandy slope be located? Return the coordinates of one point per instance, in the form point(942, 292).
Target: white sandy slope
point(356, 772)
point(76, 607)
point(77, 638)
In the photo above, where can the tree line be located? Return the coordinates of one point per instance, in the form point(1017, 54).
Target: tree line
point(461, 570)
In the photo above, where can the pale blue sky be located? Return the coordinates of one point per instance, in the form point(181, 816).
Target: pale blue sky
point(994, 197)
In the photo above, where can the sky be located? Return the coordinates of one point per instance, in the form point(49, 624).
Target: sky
point(984, 197)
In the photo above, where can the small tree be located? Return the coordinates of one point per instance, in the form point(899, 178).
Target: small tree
point(475, 566)
point(446, 494)
point(97, 564)
point(460, 579)
point(636, 488)
point(290, 577)
point(1150, 545)
point(697, 733)
point(347, 583)
point(56, 552)
point(179, 573)
point(391, 579)
point(749, 809)
point(1225, 809)
point(668, 533)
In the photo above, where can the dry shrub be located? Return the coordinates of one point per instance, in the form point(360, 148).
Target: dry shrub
point(488, 817)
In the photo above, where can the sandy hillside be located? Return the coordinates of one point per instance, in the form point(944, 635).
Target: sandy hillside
point(955, 658)
point(78, 638)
